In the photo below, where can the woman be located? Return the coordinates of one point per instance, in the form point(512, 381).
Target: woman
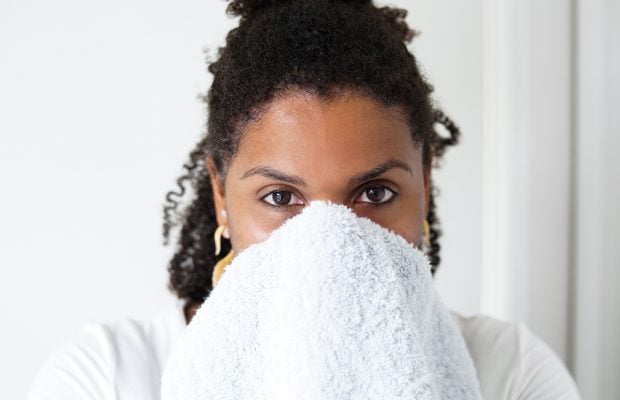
point(311, 99)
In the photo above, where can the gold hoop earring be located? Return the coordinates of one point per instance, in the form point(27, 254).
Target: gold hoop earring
point(427, 233)
point(220, 267)
point(217, 236)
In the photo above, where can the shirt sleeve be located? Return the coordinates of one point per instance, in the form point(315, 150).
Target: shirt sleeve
point(541, 374)
point(80, 369)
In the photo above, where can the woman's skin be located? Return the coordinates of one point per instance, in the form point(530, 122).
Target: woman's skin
point(351, 150)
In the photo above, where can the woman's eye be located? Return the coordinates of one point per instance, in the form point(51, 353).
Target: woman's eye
point(281, 198)
point(377, 195)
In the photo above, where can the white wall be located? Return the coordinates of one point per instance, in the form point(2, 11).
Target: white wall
point(596, 343)
point(527, 176)
point(98, 111)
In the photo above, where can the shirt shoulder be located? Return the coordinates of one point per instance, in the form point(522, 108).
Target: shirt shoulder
point(512, 362)
point(104, 361)
point(81, 368)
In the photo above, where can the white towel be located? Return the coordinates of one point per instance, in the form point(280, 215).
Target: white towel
point(330, 306)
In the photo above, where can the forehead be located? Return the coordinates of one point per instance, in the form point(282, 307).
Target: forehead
point(304, 134)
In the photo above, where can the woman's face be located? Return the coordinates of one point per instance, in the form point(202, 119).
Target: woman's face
point(351, 150)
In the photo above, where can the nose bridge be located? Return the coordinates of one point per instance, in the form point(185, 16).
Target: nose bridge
point(332, 189)
point(331, 199)
point(330, 176)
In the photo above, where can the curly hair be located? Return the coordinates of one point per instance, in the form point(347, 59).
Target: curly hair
point(322, 47)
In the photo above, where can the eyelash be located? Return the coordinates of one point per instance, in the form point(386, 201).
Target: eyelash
point(374, 186)
point(278, 207)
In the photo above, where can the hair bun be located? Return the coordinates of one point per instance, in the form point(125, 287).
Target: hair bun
point(245, 8)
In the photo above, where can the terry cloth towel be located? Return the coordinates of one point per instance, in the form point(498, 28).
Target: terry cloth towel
point(329, 306)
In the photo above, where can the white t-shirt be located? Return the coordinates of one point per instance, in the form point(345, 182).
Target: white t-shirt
point(125, 360)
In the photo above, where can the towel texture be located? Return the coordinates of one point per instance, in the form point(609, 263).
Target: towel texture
point(330, 306)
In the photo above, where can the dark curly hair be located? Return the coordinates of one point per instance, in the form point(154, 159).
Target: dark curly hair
point(319, 46)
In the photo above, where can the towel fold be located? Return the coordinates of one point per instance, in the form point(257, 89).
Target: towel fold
point(330, 306)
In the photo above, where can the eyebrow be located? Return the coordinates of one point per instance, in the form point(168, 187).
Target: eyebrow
point(379, 170)
point(362, 177)
point(273, 173)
